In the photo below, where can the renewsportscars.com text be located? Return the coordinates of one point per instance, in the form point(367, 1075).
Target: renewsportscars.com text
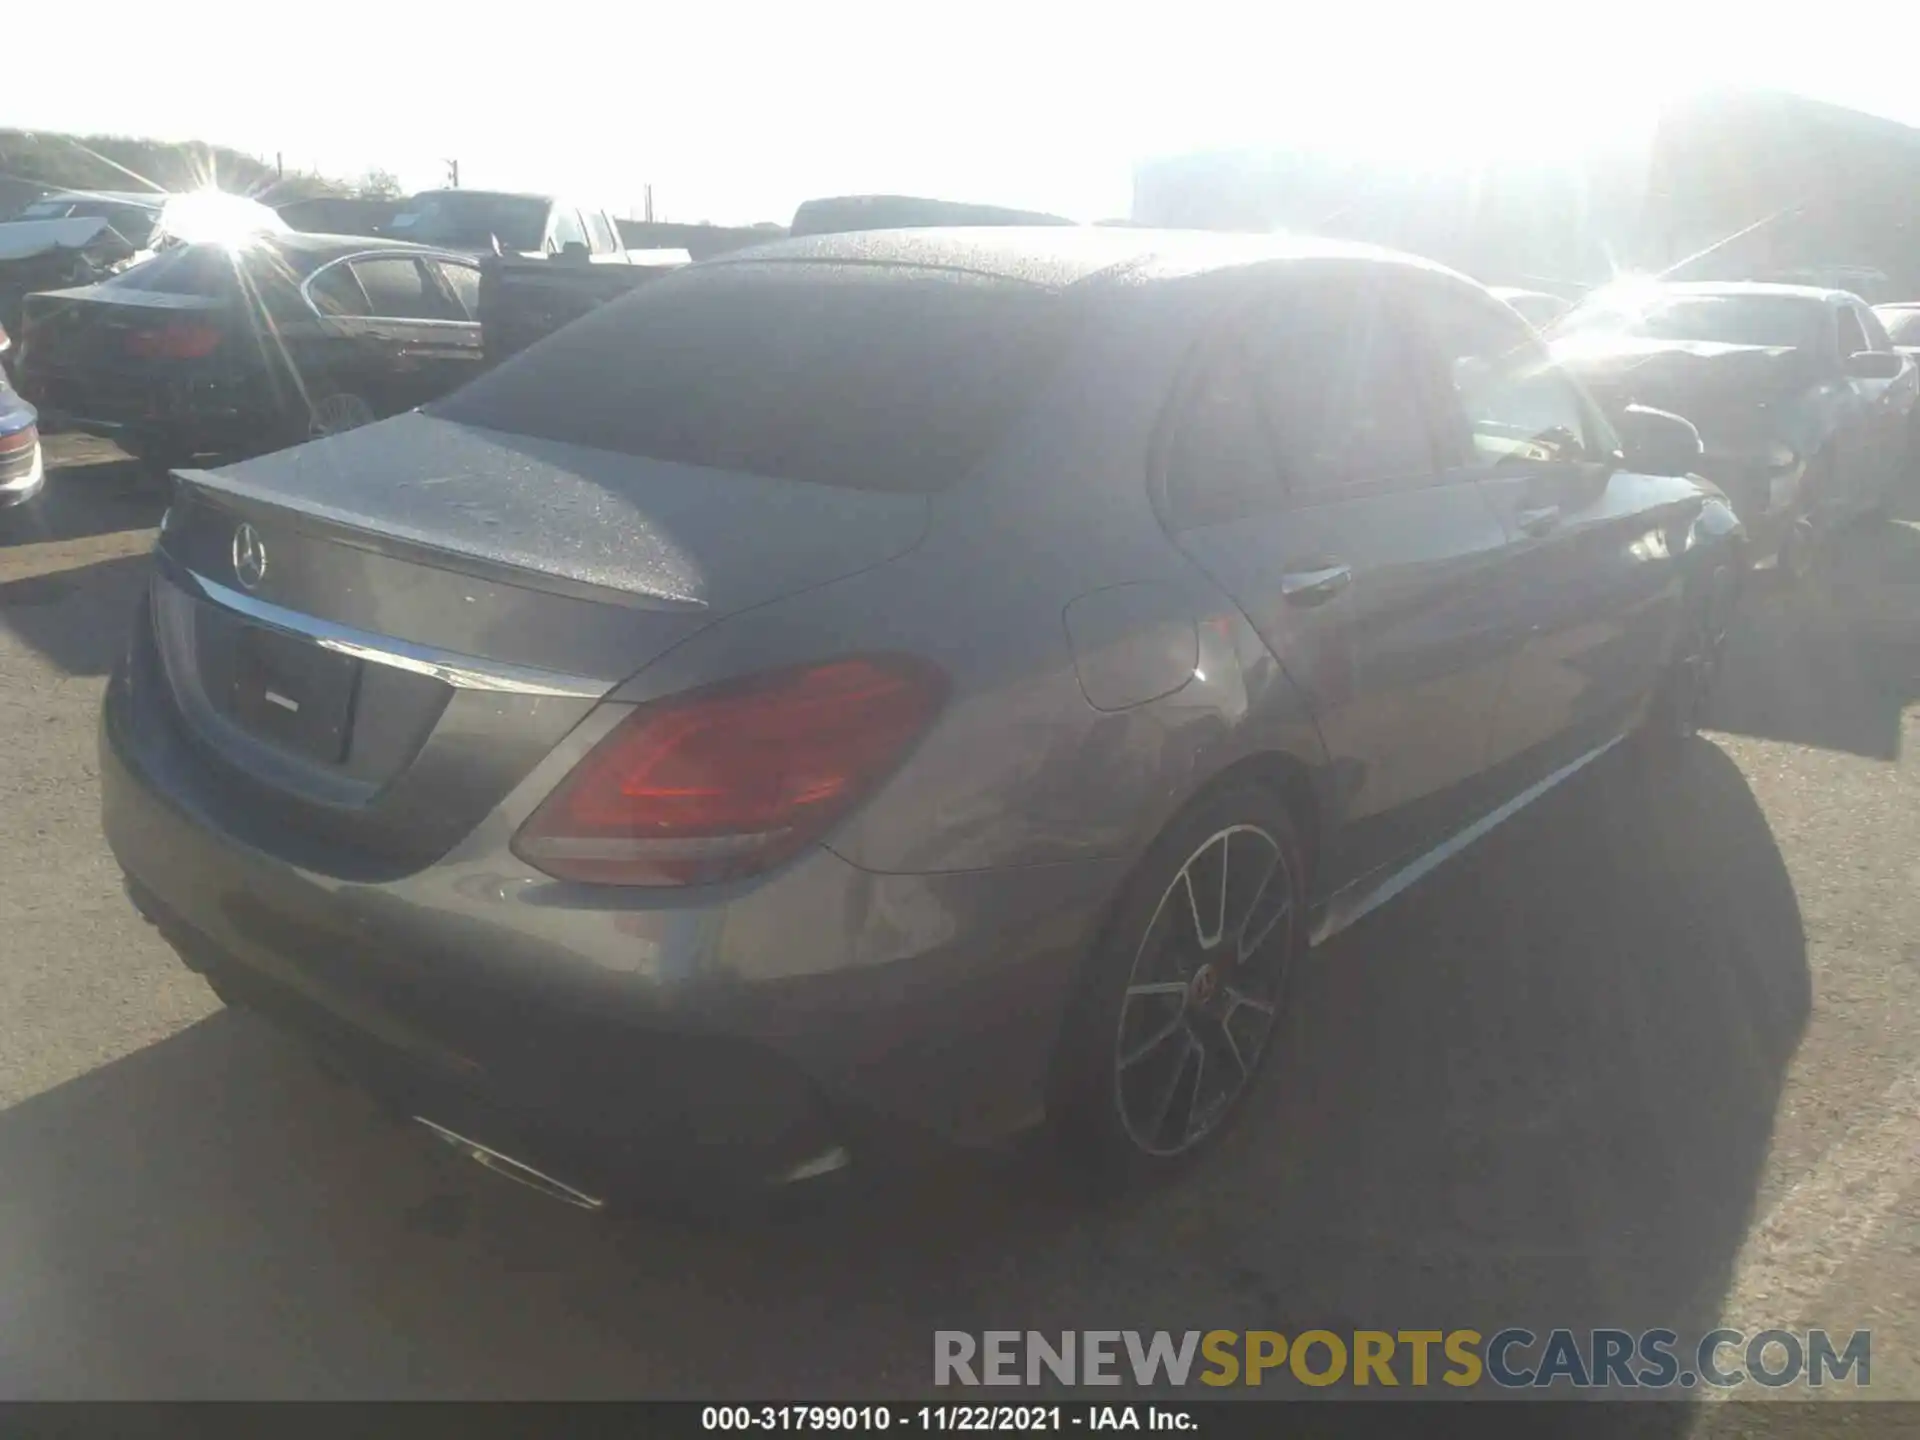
point(1510, 1358)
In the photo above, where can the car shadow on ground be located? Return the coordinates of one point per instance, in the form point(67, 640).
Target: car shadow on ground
point(1834, 661)
point(77, 618)
point(1538, 1091)
point(94, 494)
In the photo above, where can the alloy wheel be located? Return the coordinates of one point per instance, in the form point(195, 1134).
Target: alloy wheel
point(1204, 990)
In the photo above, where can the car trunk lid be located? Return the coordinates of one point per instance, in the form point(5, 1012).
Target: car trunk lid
point(383, 632)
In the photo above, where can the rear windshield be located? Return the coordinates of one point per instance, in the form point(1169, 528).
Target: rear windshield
point(876, 378)
point(188, 270)
point(214, 271)
point(472, 219)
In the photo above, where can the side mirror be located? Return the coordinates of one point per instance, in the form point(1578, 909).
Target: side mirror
point(1874, 365)
point(1658, 442)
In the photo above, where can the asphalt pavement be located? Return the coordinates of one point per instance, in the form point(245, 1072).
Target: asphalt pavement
point(1647, 1056)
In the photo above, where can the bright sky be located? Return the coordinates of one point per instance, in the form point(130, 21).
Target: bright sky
point(736, 112)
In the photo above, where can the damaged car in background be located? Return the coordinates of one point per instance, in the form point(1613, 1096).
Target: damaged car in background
point(238, 349)
point(1801, 399)
point(79, 237)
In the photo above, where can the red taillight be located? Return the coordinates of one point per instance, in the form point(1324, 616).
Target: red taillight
point(727, 781)
point(174, 342)
point(18, 443)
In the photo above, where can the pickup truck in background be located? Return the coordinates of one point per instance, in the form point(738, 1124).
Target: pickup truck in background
point(502, 222)
point(523, 300)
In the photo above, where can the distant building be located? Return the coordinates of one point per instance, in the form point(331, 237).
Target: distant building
point(1730, 186)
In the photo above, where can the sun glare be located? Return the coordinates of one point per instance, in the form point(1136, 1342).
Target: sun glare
point(217, 218)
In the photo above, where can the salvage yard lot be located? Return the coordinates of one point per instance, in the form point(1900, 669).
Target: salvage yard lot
point(1645, 1057)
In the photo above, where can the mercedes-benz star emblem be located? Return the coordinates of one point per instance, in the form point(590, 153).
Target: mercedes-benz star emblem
point(249, 557)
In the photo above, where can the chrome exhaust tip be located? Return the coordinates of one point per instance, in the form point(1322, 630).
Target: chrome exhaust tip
point(515, 1170)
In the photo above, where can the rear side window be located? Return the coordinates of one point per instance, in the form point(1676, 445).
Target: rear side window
point(1340, 377)
point(875, 378)
point(463, 283)
point(600, 231)
point(1219, 465)
point(397, 288)
point(334, 291)
point(1509, 403)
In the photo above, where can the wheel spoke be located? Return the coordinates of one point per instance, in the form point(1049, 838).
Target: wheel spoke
point(1154, 1041)
point(1158, 987)
point(1193, 1102)
point(1250, 945)
point(1207, 938)
point(1233, 1045)
point(1165, 1104)
point(1237, 998)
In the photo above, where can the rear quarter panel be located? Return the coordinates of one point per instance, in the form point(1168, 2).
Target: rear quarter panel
point(1023, 767)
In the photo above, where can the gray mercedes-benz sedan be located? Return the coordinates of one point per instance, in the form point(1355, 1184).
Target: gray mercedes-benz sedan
point(891, 688)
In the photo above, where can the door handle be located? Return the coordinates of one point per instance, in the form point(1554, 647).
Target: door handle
point(1315, 586)
point(1539, 520)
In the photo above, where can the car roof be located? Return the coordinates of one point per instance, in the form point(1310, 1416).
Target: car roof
point(146, 199)
point(484, 194)
point(328, 247)
point(1756, 289)
point(1057, 257)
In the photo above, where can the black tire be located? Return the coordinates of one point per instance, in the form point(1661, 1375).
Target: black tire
point(1112, 1077)
point(1683, 697)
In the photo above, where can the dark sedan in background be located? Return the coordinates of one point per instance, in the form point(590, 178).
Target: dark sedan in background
point(1799, 395)
point(237, 349)
point(892, 687)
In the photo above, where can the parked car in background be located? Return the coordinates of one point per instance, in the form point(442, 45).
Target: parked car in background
point(216, 348)
point(339, 214)
point(1903, 325)
point(876, 688)
point(523, 300)
point(1536, 307)
point(79, 237)
point(1799, 395)
point(496, 221)
point(22, 470)
point(840, 214)
point(1870, 284)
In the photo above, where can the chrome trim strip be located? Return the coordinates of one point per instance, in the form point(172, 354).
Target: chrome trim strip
point(463, 672)
point(512, 1169)
point(386, 253)
point(1355, 902)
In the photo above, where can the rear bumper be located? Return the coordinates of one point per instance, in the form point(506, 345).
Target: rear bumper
point(612, 1040)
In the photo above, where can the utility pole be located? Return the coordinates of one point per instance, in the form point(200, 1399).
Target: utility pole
point(453, 174)
point(279, 165)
